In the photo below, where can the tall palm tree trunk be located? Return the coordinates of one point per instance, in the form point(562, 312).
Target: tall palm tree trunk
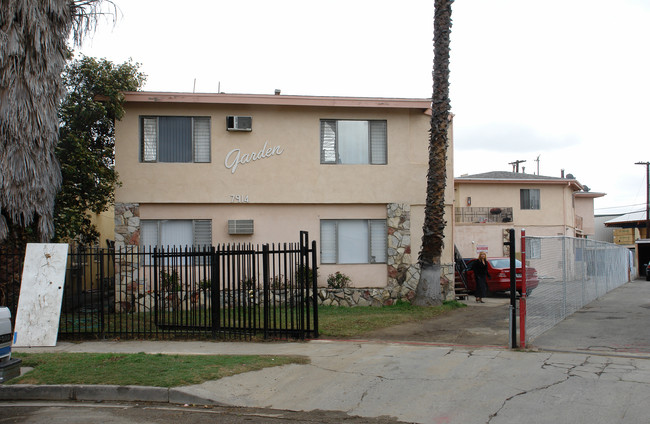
point(428, 290)
point(33, 52)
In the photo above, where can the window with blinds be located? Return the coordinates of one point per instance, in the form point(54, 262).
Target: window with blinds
point(353, 142)
point(353, 241)
point(175, 139)
point(177, 233)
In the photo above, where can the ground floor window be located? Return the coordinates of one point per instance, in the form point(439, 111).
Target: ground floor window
point(175, 232)
point(353, 241)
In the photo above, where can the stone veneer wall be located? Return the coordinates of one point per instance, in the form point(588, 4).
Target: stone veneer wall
point(129, 296)
point(127, 224)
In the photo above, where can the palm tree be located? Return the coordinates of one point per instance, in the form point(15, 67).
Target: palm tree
point(33, 53)
point(428, 290)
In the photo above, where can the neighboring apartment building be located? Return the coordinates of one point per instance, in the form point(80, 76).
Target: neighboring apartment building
point(631, 230)
point(489, 204)
point(227, 168)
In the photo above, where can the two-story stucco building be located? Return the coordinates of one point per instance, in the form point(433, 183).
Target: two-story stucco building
point(489, 204)
point(227, 168)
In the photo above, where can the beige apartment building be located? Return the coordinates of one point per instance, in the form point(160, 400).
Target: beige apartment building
point(224, 168)
point(489, 204)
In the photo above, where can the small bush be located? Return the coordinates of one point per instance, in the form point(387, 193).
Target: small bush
point(338, 281)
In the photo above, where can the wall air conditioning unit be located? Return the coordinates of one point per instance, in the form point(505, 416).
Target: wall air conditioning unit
point(240, 226)
point(239, 123)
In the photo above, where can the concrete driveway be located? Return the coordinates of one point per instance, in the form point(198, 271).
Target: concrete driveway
point(618, 323)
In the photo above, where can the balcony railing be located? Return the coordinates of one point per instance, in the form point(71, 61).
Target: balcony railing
point(483, 215)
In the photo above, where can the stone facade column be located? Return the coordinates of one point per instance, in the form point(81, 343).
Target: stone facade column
point(403, 275)
point(127, 224)
point(127, 242)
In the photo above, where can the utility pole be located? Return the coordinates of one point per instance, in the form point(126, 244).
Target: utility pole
point(647, 198)
point(515, 165)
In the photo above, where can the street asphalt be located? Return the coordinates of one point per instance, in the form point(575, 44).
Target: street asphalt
point(594, 367)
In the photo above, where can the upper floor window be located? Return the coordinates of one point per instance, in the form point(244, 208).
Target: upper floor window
point(175, 139)
point(529, 198)
point(353, 142)
point(353, 241)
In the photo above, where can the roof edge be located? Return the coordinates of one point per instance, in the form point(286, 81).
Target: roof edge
point(559, 181)
point(275, 100)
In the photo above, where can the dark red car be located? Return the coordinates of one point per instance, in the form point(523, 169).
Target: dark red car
point(499, 279)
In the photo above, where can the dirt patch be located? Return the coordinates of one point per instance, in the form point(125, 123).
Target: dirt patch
point(482, 324)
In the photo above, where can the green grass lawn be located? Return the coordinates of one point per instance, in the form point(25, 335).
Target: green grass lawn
point(181, 370)
point(340, 322)
point(140, 369)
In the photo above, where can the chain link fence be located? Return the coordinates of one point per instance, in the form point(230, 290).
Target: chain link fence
point(572, 273)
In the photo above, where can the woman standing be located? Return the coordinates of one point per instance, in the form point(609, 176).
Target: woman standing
point(480, 268)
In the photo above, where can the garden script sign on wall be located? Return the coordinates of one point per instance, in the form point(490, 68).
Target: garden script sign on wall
point(234, 158)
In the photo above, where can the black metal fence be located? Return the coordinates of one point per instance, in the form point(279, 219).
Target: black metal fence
point(11, 269)
point(224, 291)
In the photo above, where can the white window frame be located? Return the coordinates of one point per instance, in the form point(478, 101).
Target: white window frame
point(330, 142)
point(330, 239)
point(200, 134)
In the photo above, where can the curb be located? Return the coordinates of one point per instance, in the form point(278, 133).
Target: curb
point(85, 392)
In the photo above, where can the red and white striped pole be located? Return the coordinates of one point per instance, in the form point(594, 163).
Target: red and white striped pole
point(522, 299)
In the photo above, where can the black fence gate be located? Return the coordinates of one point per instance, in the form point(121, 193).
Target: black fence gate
point(224, 291)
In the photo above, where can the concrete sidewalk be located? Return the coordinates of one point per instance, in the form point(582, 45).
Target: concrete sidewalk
point(418, 382)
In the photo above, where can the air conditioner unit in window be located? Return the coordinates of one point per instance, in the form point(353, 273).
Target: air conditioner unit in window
point(240, 226)
point(239, 123)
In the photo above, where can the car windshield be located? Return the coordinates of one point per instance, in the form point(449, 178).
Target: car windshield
point(503, 263)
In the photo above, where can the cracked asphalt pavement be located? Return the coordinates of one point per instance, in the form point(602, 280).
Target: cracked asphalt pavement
point(433, 384)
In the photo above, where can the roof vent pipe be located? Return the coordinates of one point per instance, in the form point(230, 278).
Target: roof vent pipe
point(562, 173)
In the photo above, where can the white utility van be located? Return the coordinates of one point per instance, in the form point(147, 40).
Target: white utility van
point(5, 334)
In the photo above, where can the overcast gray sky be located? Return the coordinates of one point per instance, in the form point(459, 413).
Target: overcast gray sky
point(562, 80)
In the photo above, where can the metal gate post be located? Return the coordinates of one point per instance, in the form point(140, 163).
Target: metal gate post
point(155, 282)
point(513, 289)
point(522, 299)
point(266, 278)
point(305, 283)
point(314, 278)
point(564, 275)
point(102, 287)
point(215, 284)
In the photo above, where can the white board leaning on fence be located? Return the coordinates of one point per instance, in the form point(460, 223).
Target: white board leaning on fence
point(41, 293)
